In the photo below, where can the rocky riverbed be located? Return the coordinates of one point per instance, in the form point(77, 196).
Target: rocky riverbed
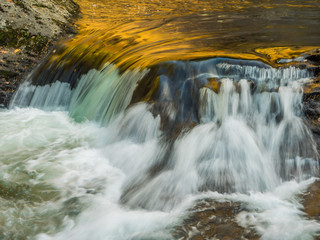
point(28, 29)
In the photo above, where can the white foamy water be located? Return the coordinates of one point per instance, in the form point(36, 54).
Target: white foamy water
point(120, 177)
point(71, 177)
point(63, 169)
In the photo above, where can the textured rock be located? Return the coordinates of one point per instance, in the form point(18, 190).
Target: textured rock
point(28, 28)
point(311, 108)
point(314, 57)
point(210, 219)
point(311, 202)
point(38, 17)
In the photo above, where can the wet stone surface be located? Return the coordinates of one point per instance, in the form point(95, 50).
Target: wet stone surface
point(314, 57)
point(311, 108)
point(311, 203)
point(311, 96)
point(211, 219)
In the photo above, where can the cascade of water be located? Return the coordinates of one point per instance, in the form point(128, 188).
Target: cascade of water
point(247, 142)
point(101, 95)
point(98, 96)
point(49, 97)
point(247, 137)
point(250, 136)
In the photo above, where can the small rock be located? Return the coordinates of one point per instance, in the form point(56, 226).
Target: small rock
point(311, 201)
point(210, 219)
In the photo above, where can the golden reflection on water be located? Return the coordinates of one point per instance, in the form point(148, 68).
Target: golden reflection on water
point(145, 32)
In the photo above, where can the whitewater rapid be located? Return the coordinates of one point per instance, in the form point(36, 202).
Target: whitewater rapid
point(85, 163)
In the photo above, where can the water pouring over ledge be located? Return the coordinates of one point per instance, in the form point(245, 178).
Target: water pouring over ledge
point(230, 102)
point(164, 136)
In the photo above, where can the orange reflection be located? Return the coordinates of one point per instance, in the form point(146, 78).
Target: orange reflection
point(276, 53)
point(145, 32)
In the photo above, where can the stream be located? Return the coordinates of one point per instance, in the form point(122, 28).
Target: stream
point(158, 110)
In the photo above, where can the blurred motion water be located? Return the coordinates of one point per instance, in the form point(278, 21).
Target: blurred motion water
point(150, 31)
point(155, 106)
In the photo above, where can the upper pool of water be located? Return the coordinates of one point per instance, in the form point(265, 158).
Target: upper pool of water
point(145, 32)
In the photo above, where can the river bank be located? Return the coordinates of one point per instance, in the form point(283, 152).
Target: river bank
point(28, 29)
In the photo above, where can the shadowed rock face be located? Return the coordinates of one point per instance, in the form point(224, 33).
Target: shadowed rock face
point(311, 109)
point(311, 96)
point(311, 102)
point(27, 30)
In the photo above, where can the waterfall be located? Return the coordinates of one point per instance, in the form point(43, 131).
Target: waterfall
point(99, 95)
point(164, 134)
point(249, 134)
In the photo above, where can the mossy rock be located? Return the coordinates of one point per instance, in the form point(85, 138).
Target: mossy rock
point(7, 74)
point(10, 37)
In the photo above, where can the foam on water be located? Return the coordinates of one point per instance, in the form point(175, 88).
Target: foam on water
point(276, 214)
point(76, 174)
point(121, 176)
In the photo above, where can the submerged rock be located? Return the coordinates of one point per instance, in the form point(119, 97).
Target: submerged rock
point(28, 28)
point(311, 201)
point(211, 219)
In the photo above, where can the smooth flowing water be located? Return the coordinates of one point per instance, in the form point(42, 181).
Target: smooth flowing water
point(110, 141)
point(145, 32)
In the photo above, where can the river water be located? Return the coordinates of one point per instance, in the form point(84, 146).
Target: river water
point(155, 106)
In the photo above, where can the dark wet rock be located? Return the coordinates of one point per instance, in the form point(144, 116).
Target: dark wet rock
point(28, 30)
point(311, 96)
point(211, 219)
point(311, 108)
point(314, 57)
